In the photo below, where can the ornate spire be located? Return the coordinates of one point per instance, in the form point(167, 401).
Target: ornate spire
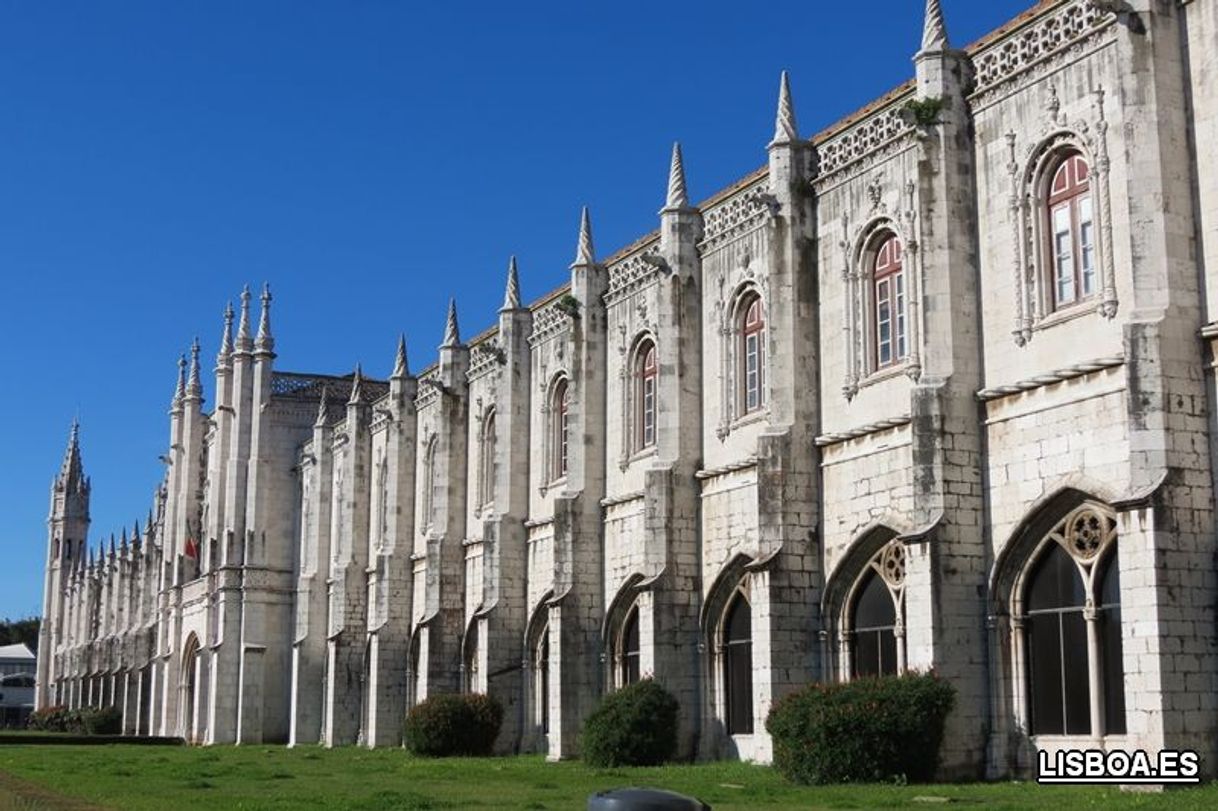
point(243, 329)
point(357, 383)
point(72, 472)
point(122, 544)
point(452, 334)
point(226, 339)
point(179, 391)
point(264, 342)
point(401, 369)
point(135, 534)
point(194, 388)
point(511, 295)
point(785, 128)
point(112, 547)
point(934, 32)
point(584, 255)
point(677, 196)
point(322, 402)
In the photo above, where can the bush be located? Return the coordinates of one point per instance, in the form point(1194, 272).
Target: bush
point(104, 721)
point(634, 726)
point(867, 730)
point(85, 721)
point(49, 719)
point(446, 725)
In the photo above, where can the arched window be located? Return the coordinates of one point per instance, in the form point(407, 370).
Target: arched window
point(738, 666)
point(875, 625)
point(875, 621)
point(891, 329)
point(471, 658)
point(559, 430)
point(629, 657)
point(1071, 232)
point(646, 377)
point(1072, 630)
point(541, 680)
point(426, 503)
point(487, 473)
point(752, 354)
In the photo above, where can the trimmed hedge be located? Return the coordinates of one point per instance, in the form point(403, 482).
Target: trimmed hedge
point(449, 725)
point(634, 726)
point(85, 721)
point(867, 730)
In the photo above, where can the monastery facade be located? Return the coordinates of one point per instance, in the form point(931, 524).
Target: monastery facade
point(931, 389)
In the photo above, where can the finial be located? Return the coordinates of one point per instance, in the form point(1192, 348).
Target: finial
point(401, 368)
point(452, 335)
point(356, 384)
point(226, 339)
point(511, 295)
point(112, 548)
point(123, 542)
point(135, 533)
point(74, 433)
point(934, 32)
point(584, 255)
point(785, 129)
point(243, 329)
point(194, 387)
point(180, 390)
point(677, 196)
point(264, 341)
point(322, 402)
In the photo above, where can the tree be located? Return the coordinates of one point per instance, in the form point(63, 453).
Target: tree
point(15, 632)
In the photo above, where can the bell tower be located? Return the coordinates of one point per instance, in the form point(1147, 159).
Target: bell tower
point(67, 528)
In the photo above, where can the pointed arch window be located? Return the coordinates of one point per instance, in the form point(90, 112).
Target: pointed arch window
point(487, 466)
point(752, 354)
point(1068, 623)
point(559, 429)
point(1071, 230)
point(647, 377)
point(427, 500)
point(890, 333)
point(738, 665)
point(541, 680)
point(629, 656)
point(875, 621)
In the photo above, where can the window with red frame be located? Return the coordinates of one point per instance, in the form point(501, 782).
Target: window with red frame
point(648, 375)
point(1071, 232)
point(891, 335)
point(560, 428)
point(752, 355)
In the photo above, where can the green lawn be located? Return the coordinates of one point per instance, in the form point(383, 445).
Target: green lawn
point(182, 778)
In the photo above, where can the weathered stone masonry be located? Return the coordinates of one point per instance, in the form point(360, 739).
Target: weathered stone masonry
point(841, 418)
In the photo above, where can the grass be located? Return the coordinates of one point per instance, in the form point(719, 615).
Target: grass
point(268, 778)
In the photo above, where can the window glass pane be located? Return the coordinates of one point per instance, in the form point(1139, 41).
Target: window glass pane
point(899, 281)
point(1086, 245)
point(866, 653)
point(1054, 582)
point(1076, 673)
point(1042, 643)
point(1063, 259)
point(630, 649)
point(888, 653)
point(873, 608)
point(738, 667)
point(1111, 650)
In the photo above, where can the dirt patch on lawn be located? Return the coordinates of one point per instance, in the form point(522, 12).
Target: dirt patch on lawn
point(22, 795)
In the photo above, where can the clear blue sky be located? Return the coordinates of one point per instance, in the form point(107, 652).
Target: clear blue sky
point(369, 158)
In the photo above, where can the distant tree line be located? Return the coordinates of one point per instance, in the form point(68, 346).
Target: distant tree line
point(13, 632)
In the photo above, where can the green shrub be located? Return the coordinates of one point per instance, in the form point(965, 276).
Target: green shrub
point(103, 721)
point(867, 730)
point(634, 726)
point(49, 719)
point(449, 725)
point(85, 721)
